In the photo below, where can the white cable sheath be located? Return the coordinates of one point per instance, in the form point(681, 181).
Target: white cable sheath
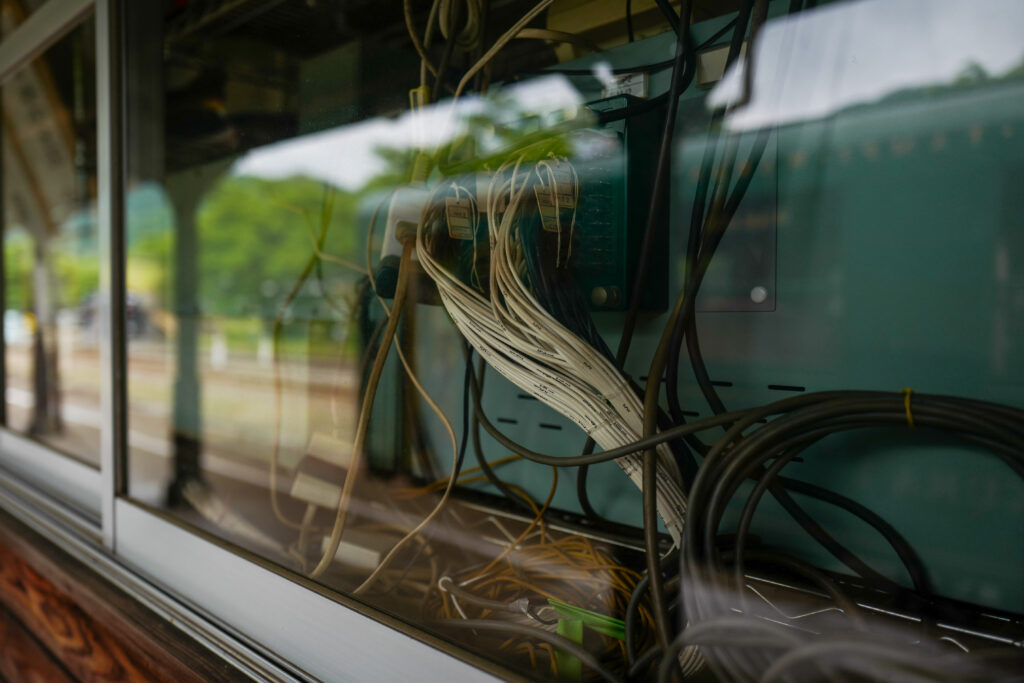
point(529, 347)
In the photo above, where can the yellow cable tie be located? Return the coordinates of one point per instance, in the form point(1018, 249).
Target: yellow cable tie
point(906, 405)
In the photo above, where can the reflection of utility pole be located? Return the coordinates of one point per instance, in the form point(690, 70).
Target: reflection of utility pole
point(186, 191)
point(45, 377)
point(186, 421)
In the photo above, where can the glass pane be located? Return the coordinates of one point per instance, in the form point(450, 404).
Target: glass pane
point(50, 248)
point(857, 229)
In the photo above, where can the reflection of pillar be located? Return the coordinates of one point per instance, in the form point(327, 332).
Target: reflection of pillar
point(46, 409)
point(186, 420)
point(45, 416)
point(186, 191)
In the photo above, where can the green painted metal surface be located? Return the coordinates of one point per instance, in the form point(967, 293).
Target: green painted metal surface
point(895, 261)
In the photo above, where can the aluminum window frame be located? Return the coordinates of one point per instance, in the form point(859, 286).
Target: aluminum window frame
point(76, 487)
point(269, 624)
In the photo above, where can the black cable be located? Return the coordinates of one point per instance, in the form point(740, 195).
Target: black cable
point(641, 665)
point(631, 617)
point(449, 47)
point(911, 560)
point(612, 454)
point(478, 418)
point(717, 228)
point(739, 32)
point(553, 284)
point(629, 20)
point(914, 566)
point(633, 607)
point(468, 351)
point(670, 15)
point(765, 482)
point(684, 52)
point(687, 326)
point(558, 641)
point(683, 69)
point(592, 458)
point(726, 467)
point(698, 229)
point(459, 461)
point(650, 515)
point(684, 460)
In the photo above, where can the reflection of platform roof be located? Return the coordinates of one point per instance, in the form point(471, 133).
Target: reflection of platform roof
point(41, 189)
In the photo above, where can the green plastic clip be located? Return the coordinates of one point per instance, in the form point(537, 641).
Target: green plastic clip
point(603, 624)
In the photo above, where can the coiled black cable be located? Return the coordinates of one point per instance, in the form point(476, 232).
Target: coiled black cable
point(713, 581)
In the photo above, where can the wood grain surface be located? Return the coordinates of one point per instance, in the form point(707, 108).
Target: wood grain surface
point(22, 658)
point(94, 630)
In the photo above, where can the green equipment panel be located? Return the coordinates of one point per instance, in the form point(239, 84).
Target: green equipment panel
point(886, 238)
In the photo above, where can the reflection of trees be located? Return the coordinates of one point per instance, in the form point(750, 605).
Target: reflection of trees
point(485, 140)
point(223, 251)
point(255, 233)
point(972, 75)
point(255, 237)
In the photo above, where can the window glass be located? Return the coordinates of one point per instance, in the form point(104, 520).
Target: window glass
point(369, 288)
point(50, 247)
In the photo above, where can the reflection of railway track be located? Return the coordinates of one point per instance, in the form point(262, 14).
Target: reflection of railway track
point(318, 376)
point(232, 435)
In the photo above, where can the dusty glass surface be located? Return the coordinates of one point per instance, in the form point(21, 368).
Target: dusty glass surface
point(50, 249)
point(298, 171)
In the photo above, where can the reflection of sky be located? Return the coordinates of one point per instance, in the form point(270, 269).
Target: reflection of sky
point(817, 62)
point(346, 157)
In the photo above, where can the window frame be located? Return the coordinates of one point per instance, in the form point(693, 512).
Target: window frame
point(76, 485)
point(269, 623)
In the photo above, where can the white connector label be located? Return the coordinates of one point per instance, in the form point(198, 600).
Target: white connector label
point(459, 212)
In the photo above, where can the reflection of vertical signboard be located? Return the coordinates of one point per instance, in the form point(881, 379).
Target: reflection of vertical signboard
point(38, 143)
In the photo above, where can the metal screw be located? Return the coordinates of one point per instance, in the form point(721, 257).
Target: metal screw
point(605, 296)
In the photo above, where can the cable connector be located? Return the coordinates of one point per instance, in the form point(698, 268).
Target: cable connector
point(404, 212)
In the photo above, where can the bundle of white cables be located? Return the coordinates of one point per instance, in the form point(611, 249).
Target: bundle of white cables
point(526, 344)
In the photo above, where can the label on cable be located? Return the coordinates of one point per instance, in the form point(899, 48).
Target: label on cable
point(459, 212)
point(546, 206)
point(564, 181)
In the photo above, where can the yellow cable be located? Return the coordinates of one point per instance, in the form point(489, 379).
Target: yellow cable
point(364, 414)
point(426, 397)
point(499, 44)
